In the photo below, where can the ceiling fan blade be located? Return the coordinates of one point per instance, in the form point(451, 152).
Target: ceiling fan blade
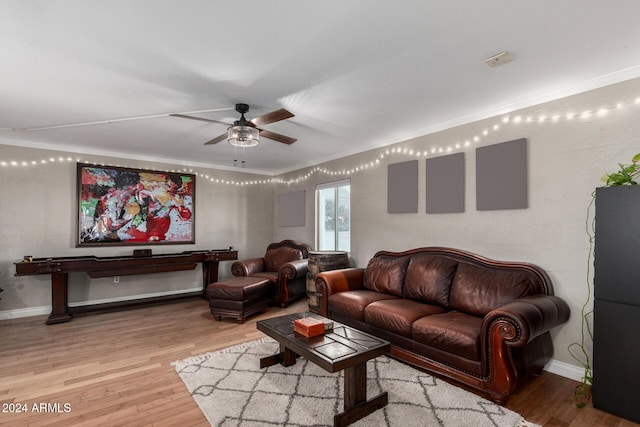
point(274, 116)
point(277, 137)
point(202, 119)
point(216, 139)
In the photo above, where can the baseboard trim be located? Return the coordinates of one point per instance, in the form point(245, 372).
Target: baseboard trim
point(46, 309)
point(25, 312)
point(134, 297)
point(566, 370)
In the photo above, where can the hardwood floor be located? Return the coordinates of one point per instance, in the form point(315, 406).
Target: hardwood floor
point(114, 369)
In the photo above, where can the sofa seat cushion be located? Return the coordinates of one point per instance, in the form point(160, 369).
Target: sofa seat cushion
point(454, 332)
point(397, 315)
point(353, 303)
point(272, 276)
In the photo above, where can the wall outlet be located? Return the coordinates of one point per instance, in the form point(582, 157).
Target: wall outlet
point(116, 279)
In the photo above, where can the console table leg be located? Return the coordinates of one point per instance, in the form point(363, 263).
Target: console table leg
point(59, 299)
point(209, 274)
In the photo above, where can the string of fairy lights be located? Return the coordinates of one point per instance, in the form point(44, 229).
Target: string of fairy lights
point(383, 153)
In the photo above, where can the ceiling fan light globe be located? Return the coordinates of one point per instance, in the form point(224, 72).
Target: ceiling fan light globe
point(243, 136)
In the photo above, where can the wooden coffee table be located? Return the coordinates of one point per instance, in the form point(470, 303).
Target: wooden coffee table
point(343, 348)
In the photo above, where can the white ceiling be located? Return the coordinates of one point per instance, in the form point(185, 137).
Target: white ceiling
point(357, 74)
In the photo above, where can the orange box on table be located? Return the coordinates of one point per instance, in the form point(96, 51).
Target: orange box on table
point(308, 326)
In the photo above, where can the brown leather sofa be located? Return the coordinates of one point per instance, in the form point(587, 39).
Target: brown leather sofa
point(284, 264)
point(481, 322)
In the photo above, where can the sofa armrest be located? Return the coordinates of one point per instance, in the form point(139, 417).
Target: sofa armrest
point(294, 269)
point(333, 281)
point(517, 324)
point(524, 319)
point(247, 267)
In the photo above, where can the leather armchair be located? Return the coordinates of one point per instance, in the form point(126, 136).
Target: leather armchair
point(284, 264)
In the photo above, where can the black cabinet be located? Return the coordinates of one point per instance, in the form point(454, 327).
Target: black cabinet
point(616, 329)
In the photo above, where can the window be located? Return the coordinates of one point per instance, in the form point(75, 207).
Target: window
point(333, 216)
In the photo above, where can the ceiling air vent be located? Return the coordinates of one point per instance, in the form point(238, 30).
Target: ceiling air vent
point(498, 59)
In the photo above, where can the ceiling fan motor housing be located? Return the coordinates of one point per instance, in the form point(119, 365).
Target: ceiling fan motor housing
point(242, 109)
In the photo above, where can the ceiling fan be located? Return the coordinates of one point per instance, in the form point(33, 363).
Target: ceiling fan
point(242, 129)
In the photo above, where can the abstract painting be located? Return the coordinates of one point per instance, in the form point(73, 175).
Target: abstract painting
point(123, 206)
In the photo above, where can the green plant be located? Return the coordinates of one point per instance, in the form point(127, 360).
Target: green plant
point(627, 175)
point(582, 393)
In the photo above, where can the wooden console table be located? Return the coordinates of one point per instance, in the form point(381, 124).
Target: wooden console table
point(60, 267)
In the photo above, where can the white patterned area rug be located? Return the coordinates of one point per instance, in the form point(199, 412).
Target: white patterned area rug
point(232, 390)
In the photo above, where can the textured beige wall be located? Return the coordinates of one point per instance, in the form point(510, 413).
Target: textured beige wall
point(38, 217)
point(566, 159)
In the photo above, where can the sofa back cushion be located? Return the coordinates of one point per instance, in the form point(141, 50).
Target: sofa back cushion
point(386, 274)
point(429, 278)
point(276, 258)
point(478, 290)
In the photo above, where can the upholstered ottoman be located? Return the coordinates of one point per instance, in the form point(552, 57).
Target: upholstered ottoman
point(239, 297)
